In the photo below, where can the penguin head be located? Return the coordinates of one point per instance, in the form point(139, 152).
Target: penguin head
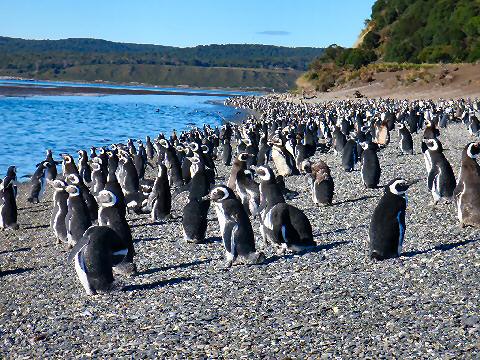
point(162, 170)
point(397, 186)
point(433, 144)
point(68, 159)
point(72, 190)
point(473, 149)
point(73, 179)
point(399, 125)
point(164, 143)
point(194, 146)
point(205, 149)
point(58, 185)
point(106, 198)
point(243, 157)
point(221, 193)
point(265, 173)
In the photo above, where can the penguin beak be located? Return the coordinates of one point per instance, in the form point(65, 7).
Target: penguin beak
point(206, 197)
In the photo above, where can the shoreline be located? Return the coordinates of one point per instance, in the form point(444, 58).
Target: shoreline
point(32, 90)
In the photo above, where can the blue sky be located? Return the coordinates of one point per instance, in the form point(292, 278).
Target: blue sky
point(317, 23)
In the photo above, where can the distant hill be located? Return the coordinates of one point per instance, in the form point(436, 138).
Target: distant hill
point(92, 59)
point(426, 31)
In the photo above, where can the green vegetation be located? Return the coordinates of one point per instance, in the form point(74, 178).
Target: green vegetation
point(402, 35)
point(211, 65)
point(429, 31)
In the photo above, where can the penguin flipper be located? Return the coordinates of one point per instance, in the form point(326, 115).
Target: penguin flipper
point(78, 247)
point(233, 246)
point(431, 177)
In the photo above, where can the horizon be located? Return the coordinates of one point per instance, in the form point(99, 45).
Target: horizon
point(315, 24)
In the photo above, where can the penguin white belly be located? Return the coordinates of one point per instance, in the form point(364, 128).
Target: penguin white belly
point(436, 186)
point(401, 234)
point(81, 273)
point(2, 222)
point(42, 186)
point(428, 161)
point(280, 163)
point(459, 203)
point(221, 218)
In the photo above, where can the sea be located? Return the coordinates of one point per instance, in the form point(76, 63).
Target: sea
point(32, 124)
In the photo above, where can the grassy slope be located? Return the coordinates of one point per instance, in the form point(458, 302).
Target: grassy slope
point(173, 75)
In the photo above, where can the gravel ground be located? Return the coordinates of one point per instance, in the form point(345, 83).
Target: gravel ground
point(332, 302)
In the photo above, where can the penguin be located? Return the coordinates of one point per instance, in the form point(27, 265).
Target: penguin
point(77, 220)
point(194, 220)
point(349, 156)
point(235, 227)
point(406, 142)
point(68, 165)
point(466, 192)
point(173, 164)
point(283, 159)
point(430, 132)
point(97, 252)
point(239, 164)
point(60, 209)
point(108, 215)
point(370, 166)
point(8, 204)
point(52, 169)
point(160, 198)
point(149, 148)
point(83, 168)
point(339, 141)
point(99, 178)
point(248, 191)
point(113, 185)
point(38, 182)
point(441, 179)
point(322, 184)
point(387, 226)
point(88, 198)
point(226, 152)
point(281, 224)
point(264, 151)
point(474, 126)
point(128, 179)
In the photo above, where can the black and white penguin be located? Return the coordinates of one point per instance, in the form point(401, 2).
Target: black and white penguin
point(226, 152)
point(467, 193)
point(88, 198)
point(96, 253)
point(149, 148)
point(52, 169)
point(430, 132)
point(387, 227)
point(99, 177)
point(323, 187)
point(160, 198)
point(8, 204)
point(370, 167)
point(474, 126)
point(283, 159)
point(38, 182)
point(264, 150)
point(77, 220)
point(68, 165)
point(239, 164)
point(59, 211)
point(194, 220)
point(339, 141)
point(128, 179)
point(441, 179)
point(172, 163)
point(235, 227)
point(349, 156)
point(282, 224)
point(248, 191)
point(406, 142)
point(83, 166)
point(108, 215)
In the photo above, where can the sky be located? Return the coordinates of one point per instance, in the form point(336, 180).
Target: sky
point(316, 23)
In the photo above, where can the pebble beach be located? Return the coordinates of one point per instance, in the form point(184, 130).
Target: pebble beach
point(328, 302)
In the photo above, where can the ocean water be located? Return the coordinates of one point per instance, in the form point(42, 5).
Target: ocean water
point(30, 125)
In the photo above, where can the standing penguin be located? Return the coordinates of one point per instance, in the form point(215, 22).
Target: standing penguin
point(87, 196)
point(322, 183)
point(235, 227)
point(406, 141)
point(283, 159)
point(95, 254)
point(370, 165)
point(99, 178)
point(226, 152)
point(60, 209)
point(68, 165)
point(160, 198)
point(83, 167)
point(77, 220)
point(38, 182)
point(108, 215)
point(387, 227)
point(467, 193)
point(441, 179)
point(8, 205)
point(194, 220)
point(282, 224)
point(349, 156)
point(52, 169)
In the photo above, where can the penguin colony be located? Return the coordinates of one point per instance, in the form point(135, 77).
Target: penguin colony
point(93, 195)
